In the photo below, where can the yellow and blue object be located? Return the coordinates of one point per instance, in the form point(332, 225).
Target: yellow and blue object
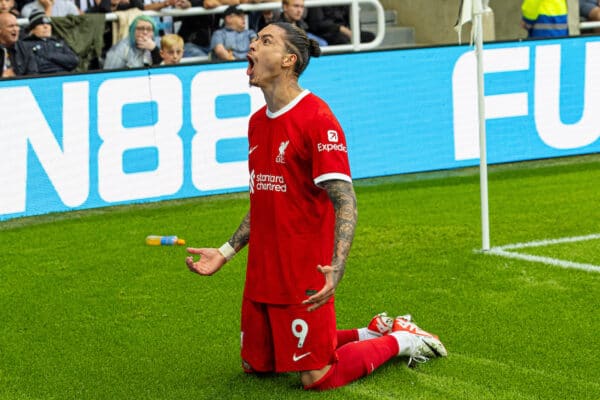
point(545, 18)
point(157, 240)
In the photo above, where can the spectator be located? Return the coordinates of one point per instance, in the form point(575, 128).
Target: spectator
point(293, 12)
point(54, 8)
point(137, 50)
point(590, 10)
point(12, 61)
point(108, 6)
point(197, 30)
point(50, 54)
point(9, 7)
point(232, 42)
point(332, 24)
point(171, 49)
point(545, 18)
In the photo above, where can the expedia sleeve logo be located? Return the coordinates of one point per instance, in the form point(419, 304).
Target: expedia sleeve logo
point(333, 144)
point(332, 136)
point(331, 147)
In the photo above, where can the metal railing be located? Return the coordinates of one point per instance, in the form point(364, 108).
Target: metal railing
point(586, 25)
point(355, 44)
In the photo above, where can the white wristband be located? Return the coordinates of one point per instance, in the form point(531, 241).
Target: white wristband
point(227, 251)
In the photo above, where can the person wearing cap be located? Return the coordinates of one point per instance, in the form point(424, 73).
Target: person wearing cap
point(137, 50)
point(50, 54)
point(54, 8)
point(232, 41)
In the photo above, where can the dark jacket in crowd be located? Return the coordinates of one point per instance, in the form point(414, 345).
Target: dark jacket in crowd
point(19, 60)
point(50, 55)
point(198, 29)
point(326, 21)
point(85, 36)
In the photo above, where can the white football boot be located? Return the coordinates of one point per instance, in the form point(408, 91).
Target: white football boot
point(417, 344)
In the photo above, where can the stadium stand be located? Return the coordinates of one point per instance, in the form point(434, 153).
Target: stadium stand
point(374, 17)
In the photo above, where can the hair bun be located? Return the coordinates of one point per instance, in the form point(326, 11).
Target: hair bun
point(315, 49)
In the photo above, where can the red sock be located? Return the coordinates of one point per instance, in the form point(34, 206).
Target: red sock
point(356, 360)
point(346, 336)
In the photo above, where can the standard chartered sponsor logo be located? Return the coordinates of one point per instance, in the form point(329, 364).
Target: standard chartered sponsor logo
point(273, 183)
point(331, 147)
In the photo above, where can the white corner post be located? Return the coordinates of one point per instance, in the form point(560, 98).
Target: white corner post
point(483, 176)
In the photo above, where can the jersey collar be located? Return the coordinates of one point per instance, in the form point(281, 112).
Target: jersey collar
point(289, 106)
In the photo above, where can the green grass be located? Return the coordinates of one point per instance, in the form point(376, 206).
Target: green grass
point(87, 311)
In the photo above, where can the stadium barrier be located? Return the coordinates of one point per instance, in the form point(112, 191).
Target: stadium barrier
point(355, 45)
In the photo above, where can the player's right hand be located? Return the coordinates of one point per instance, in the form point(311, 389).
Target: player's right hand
point(211, 260)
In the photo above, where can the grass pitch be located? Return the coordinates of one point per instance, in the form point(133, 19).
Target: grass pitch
point(88, 311)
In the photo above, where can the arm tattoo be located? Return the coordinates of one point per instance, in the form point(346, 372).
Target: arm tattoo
point(342, 196)
point(241, 236)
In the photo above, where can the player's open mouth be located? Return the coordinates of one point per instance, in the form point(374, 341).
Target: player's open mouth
point(250, 69)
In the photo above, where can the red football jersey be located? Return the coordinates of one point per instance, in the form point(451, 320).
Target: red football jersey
point(291, 217)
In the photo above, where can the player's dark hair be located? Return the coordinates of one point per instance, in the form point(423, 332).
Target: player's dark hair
point(299, 44)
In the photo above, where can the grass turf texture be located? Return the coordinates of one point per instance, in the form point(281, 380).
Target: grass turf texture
point(88, 311)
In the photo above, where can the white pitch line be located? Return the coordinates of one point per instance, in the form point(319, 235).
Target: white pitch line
point(546, 260)
point(548, 242)
point(502, 252)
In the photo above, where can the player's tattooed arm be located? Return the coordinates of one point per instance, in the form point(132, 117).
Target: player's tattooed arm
point(241, 236)
point(342, 196)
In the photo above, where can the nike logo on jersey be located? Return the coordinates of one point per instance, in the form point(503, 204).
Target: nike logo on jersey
point(300, 357)
point(252, 149)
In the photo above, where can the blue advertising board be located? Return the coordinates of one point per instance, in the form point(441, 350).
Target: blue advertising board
point(107, 138)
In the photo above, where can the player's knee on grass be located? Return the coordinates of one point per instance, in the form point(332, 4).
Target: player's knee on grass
point(314, 380)
point(251, 370)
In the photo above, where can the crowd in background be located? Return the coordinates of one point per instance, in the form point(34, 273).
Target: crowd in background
point(73, 35)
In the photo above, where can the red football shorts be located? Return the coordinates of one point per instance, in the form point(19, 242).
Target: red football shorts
point(284, 338)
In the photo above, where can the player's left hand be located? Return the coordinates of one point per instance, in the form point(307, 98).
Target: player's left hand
point(328, 290)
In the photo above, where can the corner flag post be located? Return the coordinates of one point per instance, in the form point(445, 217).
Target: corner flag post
point(483, 178)
point(472, 10)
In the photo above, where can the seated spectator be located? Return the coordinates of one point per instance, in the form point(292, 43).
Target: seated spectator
point(108, 6)
point(171, 49)
point(197, 30)
point(54, 8)
point(9, 7)
point(590, 10)
point(12, 61)
point(137, 50)
point(9, 35)
point(50, 54)
point(332, 24)
point(232, 42)
point(293, 12)
point(545, 18)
